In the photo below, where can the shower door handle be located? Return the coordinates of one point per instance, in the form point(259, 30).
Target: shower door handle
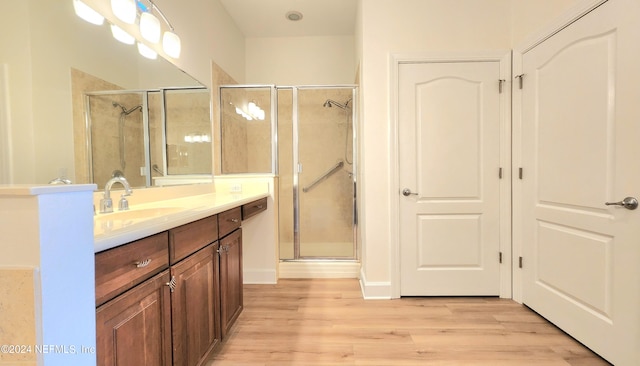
point(407, 192)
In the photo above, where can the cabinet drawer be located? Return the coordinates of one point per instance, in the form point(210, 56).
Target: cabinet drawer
point(254, 208)
point(187, 239)
point(229, 221)
point(123, 267)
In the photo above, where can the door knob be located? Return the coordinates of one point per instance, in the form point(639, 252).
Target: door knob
point(407, 192)
point(630, 203)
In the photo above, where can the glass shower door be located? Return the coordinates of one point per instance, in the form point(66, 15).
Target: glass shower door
point(325, 189)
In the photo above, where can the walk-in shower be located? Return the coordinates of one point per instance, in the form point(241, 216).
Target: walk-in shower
point(315, 162)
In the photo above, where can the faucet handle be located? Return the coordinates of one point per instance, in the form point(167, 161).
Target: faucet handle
point(106, 205)
point(123, 205)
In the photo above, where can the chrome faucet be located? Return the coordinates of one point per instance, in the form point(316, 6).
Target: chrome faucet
point(106, 204)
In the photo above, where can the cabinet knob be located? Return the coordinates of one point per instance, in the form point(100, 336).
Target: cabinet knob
point(234, 220)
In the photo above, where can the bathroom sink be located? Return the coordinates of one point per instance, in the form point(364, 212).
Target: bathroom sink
point(138, 214)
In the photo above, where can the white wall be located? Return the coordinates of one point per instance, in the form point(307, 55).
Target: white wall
point(15, 55)
point(527, 17)
point(300, 60)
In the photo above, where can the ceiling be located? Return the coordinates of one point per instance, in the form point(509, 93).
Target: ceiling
point(266, 18)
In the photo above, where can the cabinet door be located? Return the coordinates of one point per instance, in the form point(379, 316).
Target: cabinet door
point(134, 328)
point(230, 279)
point(194, 307)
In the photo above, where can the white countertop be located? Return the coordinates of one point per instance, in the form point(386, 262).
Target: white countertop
point(142, 220)
point(35, 189)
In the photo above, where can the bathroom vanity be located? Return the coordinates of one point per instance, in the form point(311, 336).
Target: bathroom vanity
point(170, 295)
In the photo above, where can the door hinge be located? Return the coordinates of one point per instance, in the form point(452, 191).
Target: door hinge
point(501, 85)
point(520, 173)
point(500, 173)
point(500, 257)
point(519, 262)
point(520, 80)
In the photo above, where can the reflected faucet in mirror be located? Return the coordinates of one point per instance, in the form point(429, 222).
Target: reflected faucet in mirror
point(106, 203)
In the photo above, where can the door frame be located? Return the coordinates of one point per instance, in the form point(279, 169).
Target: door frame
point(504, 58)
point(573, 14)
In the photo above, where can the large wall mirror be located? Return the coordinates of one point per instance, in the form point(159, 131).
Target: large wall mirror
point(99, 108)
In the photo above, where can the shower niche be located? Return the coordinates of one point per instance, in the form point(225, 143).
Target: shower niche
point(308, 140)
point(152, 137)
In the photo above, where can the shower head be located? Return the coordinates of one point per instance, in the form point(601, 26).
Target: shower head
point(330, 103)
point(124, 110)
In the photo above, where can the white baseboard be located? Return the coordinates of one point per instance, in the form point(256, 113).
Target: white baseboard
point(259, 277)
point(320, 269)
point(374, 290)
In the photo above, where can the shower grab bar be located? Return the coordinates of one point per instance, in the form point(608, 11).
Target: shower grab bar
point(324, 176)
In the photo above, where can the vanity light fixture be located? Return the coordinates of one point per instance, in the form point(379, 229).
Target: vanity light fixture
point(125, 10)
point(149, 27)
point(85, 12)
point(171, 44)
point(146, 51)
point(122, 36)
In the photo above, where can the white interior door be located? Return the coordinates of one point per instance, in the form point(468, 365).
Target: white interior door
point(580, 149)
point(449, 159)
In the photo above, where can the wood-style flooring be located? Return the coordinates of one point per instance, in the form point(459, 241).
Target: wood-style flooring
point(326, 322)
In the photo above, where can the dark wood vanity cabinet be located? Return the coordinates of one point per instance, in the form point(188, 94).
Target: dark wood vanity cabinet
point(170, 298)
point(135, 327)
point(230, 279)
point(195, 307)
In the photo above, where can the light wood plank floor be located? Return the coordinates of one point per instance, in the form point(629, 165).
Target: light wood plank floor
point(326, 322)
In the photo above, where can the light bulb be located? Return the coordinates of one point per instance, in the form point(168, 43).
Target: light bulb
point(85, 12)
point(171, 44)
point(125, 10)
point(122, 36)
point(150, 27)
point(147, 52)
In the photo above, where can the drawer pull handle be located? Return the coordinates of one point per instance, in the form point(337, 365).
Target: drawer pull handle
point(143, 263)
point(172, 284)
point(234, 220)
point(258, 206)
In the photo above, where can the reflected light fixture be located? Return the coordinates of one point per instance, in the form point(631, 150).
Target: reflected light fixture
point(85, 12)
point(122, 36)
point(146, 51)
point(124, 10)
point(252, 113)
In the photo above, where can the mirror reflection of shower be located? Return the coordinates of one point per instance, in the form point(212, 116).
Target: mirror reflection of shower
point(121, 135)
point(145, 135)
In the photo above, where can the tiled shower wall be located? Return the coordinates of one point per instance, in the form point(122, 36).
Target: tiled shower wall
point(188, 113)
